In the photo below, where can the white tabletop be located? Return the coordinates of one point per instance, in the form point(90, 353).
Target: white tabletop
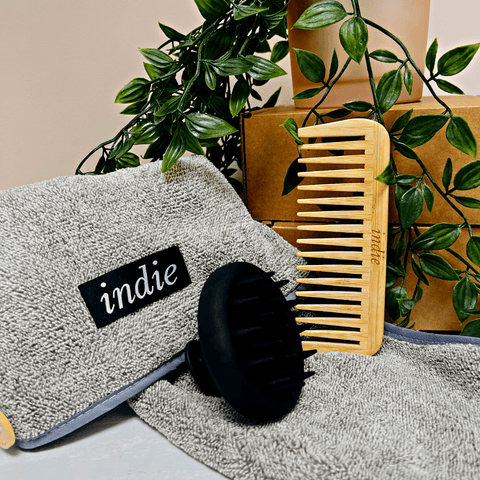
point(118, 445)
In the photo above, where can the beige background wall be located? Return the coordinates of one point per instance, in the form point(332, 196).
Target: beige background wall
point(63, 61)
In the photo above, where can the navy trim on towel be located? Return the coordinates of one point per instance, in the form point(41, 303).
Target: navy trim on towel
point(423, 338)
point(103, 405)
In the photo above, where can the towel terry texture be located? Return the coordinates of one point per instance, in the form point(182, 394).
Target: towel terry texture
point(61, 233)
point(409, 412)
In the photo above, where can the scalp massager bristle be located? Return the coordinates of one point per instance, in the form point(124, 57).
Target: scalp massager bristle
point(249, 349)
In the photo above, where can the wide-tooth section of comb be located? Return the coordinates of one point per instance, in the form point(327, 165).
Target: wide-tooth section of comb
point(341, 302)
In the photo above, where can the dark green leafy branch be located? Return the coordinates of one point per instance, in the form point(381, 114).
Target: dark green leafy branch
point(406, 244)
point(196, 87)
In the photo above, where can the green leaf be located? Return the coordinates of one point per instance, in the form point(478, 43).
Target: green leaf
point(384, 56)
point(336, 114)
point(405, 150)
point(174, 151)
point(410, 207)
point(279, 51)
point(243, 11)
point(292, 180)
point(203, 125)
point(468, 177)
point(263, 69)
point(239, 96)
point(405, 305)
point(134, 91)
point(401, 121)
point(391, 301)
point(153, 72)
point(468, 202)
point(263, 47)
point(422, 129)
point(460, 136)
point(358, 106)
point(157, 149)
point(354, 38)
point(121, 148)
point(191, 143)
point(471, 329)
point(418, 293)
point(333, 66)
point(145, 133)
point(436, 266)
point(429, 197)
point(255, 95)
point(473, 250)
point(408, 80)
point(311, 65)
point(389, 89)
point(447, 174)
point(168, 107)
point(309, 93)
point(210, 78)
point(232, 66)
point(397, 269)
point(211, 9)
point(272, 101)
point(291, 126)
point(128, 160)
point(387, 176)
point(391, 279)
point(399, 191)
point(457, 59)
point(134, 108)
point(418, 272)
point(431, 56)
point(437, 237)
point(448, 87)
point(320, 15)
point(171, 33)
point(464, 297)
point(100, 164)
point(400, 249)
point(157, 57)
point(405, 179)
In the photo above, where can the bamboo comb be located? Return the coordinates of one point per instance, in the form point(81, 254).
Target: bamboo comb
point(343, 297)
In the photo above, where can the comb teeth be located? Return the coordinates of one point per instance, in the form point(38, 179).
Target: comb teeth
point(346, 207)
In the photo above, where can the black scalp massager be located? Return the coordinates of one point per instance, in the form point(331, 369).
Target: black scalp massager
point(249, 349)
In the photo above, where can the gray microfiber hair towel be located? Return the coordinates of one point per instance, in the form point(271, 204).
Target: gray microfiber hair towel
point(412, 411)
point(100, 278)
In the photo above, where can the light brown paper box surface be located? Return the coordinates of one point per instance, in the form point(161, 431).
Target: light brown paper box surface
point(269, 150)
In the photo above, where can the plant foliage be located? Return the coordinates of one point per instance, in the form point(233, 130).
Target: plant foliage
point(197, 85)
point(406, 244)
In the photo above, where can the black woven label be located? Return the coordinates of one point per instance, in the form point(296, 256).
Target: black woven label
point(135, 285)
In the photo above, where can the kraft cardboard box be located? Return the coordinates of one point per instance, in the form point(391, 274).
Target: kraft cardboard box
point(269, 150)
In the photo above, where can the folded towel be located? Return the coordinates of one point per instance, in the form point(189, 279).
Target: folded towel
point(100, 278)
point(412, 411)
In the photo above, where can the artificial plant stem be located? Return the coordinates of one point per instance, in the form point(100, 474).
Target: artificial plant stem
point(456, 255)
point(412, 62)
point(372, 87)
point(445, 197)
point(407, 249)
point(329, 87)
point(115, 138)
point(368, 63)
